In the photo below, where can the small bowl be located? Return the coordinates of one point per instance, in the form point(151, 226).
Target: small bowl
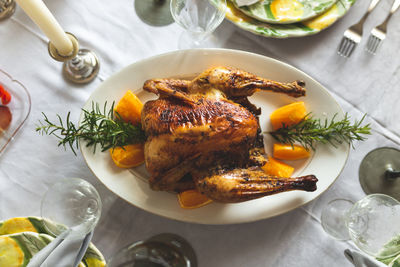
point(20, 107)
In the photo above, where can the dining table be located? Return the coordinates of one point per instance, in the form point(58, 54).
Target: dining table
point(361, 84)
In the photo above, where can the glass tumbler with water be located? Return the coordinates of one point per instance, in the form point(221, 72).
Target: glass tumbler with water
point(74, 204)
point(163, 250)
point(199, 18)
point(373, 223)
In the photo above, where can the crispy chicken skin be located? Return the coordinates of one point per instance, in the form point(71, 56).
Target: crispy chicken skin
point(198, 126)
point(209, 129)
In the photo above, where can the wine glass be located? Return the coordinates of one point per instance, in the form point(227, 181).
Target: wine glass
point(199, 18)
point(154, 12)
point(372, 223)
point(163, 250)
point(71, 209)
point(379, 172)
point(75, 206)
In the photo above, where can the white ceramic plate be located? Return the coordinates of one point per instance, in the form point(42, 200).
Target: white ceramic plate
point(326, 163)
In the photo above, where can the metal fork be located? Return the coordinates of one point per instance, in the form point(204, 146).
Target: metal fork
point(378, 34)
point(352, 36)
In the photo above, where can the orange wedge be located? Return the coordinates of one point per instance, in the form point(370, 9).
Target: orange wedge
point(287, 152)
point(192, 199)
point(128, 156)
point(288, 115)
point(277, 168)
point(129, 108)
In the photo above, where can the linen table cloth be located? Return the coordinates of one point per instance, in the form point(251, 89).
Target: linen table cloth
point(361, 84)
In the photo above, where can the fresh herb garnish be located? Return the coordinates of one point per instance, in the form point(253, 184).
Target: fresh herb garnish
point(310, 131)
point(98, 126)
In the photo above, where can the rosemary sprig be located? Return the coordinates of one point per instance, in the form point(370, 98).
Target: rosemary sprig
point(310, 131)
point(99, 126)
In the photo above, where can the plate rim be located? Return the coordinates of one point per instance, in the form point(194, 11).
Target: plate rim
point(213, 50)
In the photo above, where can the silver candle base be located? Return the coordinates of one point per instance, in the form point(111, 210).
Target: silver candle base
point(81, 66)
point(7, 8)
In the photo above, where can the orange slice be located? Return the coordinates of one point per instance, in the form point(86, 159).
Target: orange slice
point(277, 168)
point(287, 152)
point(130, 108)
point(192, 199)
point(128, 156)
point(288, 115)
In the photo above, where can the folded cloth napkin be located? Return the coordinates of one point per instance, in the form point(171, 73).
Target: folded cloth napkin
point(64, 251)
point(246, 2)
point(361, 260)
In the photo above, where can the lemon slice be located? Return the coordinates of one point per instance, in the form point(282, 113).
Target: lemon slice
point(11, 255)
point(16, 225)
point(286, 11)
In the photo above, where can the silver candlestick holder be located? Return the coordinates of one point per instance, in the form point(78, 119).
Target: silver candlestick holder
point(7, 8)
point(81, 66)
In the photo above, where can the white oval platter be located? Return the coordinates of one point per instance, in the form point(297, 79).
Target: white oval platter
point(326, 163)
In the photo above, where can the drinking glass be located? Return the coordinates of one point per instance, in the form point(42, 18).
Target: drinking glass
point(163, 250)
point(74, 204)
point(199, 18)
point(372, 223)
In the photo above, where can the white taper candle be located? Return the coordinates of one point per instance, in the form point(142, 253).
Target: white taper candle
point(42, 16)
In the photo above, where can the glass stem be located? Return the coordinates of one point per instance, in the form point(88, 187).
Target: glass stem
point(198, 38)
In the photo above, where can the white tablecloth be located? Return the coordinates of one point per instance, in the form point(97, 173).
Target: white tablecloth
point(361, 84)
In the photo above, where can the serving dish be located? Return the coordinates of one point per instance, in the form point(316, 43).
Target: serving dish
point(28, 235)
point(305, 28)
point(286, 11)
point(19, 106)
point(326, 163)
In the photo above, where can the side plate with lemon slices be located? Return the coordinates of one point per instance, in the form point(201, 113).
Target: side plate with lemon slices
point(23, 237)
point(286, 11)
point(304, 28)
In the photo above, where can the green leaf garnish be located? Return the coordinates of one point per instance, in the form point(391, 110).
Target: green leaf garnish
point(98, 127)
point(310, 131)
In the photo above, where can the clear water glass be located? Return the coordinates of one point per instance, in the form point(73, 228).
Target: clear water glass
point(199, 18)
point(163, 250)
point(372, 223)
point(72, 203)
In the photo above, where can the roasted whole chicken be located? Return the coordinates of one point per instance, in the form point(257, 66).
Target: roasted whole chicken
point(205, 134)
